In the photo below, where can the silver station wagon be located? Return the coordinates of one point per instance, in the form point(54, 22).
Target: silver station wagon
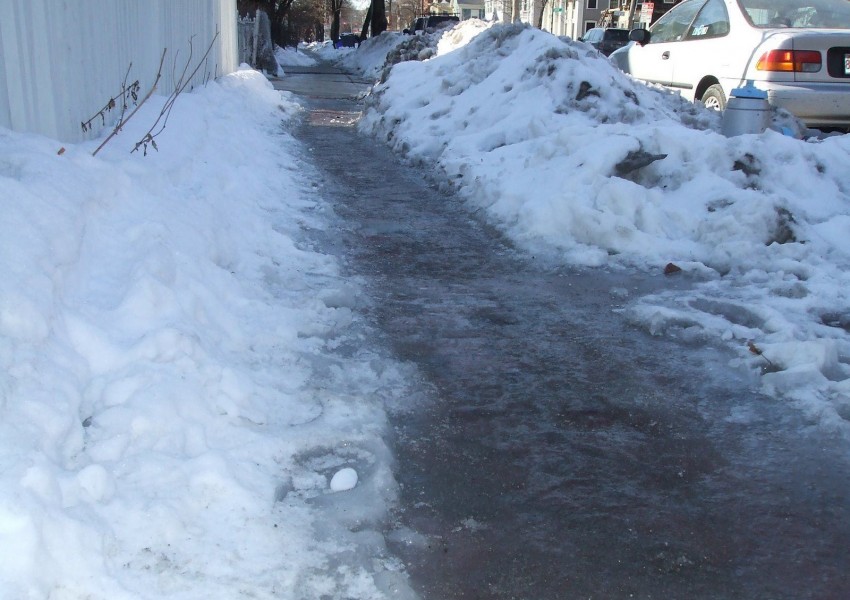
point(798, 51)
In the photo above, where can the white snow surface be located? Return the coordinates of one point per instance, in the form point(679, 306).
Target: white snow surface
point(292, 57)
point(171, 411)
point(538, 133)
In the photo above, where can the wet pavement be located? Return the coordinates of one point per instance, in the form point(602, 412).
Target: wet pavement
point(549, 450)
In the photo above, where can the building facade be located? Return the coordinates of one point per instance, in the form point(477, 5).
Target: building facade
point(574, 17)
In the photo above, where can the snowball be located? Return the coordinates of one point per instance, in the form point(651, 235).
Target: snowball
point(344, 480)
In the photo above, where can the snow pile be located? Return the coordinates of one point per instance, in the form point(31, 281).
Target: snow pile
point(579, 163)
point(325, 51)
point(451, 38)
point(291, 57)
point(375, 56)
point(370, 56)
point(171, 412)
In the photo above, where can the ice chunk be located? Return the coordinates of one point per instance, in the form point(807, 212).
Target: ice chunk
point(344, 480)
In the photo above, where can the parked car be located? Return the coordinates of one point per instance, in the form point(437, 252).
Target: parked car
point(417, 26)
point(438, 21)
point(431, 23)
point(798, 51)
point(348, 40)
point(606, 40)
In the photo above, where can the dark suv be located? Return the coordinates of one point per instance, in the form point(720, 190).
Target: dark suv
point(606, 40)
point(348, 40)
point(436, 21)
point(431, 23)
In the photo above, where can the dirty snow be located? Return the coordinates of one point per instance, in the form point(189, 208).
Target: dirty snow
point(174, 421)
point(582, 165)
point(171, 409)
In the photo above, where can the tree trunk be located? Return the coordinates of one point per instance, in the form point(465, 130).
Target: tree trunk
point(542, 10)
point(379, 17)
point(335, 26)
point(365, 31)
point(514, 11)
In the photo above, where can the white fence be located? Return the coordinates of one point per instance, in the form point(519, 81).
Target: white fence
point(61, 61)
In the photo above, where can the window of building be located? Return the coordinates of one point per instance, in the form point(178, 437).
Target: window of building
point(588, 25)
point(591, 3)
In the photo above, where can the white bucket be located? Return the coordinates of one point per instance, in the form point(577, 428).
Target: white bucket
point(747, 111)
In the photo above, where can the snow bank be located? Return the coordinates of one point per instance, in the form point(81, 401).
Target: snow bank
point(290, 57)
point(375, 56)
point(171, 412)
point(370, 56)
point(579, 163)
point(325, 51)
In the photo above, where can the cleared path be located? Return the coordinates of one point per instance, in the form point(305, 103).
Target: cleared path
point(552, 451)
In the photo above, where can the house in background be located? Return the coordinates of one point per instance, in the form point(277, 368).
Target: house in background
point(498, 10)
point(469, 9)
point(574, 17)
point(465, 9)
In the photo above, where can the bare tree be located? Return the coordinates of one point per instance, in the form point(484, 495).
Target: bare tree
point(335, 7)
point(515, 11)
point(379, 17)
point(277, 10)
point(407, 10)
point(540, 17)
point(306, 20)
point(376, 19)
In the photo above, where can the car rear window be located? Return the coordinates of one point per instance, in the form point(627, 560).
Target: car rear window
point(831, 14)
point(617, 35)
point(434, 21)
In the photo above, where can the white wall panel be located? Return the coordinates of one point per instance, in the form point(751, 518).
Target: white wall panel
point(61, 60)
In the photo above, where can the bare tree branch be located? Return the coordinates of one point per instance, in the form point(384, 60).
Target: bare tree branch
point(126, 92)
point(123, 121)
point(179, 86)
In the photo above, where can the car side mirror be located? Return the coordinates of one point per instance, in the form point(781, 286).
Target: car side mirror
point(641, 36)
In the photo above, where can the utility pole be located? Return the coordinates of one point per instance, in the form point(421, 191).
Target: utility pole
point(631, 16)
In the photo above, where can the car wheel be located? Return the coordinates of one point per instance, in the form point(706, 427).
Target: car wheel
point(713, 98)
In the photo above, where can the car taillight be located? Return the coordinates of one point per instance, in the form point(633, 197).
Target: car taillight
point(799, 61)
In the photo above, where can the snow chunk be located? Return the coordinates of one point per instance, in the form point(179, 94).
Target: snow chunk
point(344, 480)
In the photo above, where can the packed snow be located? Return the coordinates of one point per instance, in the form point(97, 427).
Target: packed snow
point(580, 164)
point(174, 421)
point(294, 57)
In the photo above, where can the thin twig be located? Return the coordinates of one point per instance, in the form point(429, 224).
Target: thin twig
point(121, 124)
point(179, 85)
point(759, 352)
point(110, 104)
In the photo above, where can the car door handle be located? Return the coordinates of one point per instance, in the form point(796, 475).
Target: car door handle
point(665, 55)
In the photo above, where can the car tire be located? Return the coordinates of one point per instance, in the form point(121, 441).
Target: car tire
point(713, 98)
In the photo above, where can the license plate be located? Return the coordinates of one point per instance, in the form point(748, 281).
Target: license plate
point(847, 64)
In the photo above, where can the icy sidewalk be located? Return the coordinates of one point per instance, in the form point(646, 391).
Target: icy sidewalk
point(174, 394)
point(547, 428)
